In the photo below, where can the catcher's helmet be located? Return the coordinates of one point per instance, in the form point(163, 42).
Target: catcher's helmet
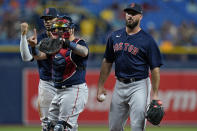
point(61, 27)
point(71, 24)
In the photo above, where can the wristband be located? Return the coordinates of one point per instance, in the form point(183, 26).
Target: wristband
point(35, 51)
point(73, 45)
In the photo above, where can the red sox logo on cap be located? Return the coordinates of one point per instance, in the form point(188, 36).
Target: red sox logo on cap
point(132, 5)
point(47, 10)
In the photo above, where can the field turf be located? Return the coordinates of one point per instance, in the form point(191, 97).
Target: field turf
point(96, 128)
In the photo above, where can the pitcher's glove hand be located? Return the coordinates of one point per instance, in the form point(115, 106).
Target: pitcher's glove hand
point(155, 112)
point(49, 45)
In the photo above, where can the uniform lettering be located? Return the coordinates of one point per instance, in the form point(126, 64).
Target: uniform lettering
point(130, 48)
point(127, 47)
point(120, 46)
point(116, 47)
point(135, 51)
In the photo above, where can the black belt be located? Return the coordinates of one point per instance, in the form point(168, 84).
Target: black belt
point(46, 79)
point(127, 81)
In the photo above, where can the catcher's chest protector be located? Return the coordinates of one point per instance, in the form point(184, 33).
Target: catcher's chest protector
point(70, 67)
point(63, 67)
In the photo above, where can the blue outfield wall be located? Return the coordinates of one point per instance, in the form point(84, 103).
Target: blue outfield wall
point(10, 90)
point(11, 67)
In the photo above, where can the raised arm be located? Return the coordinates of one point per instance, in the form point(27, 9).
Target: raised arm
point(38, 55)
point(24, 49)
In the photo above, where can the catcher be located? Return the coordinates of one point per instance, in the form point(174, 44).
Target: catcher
point(69, 57)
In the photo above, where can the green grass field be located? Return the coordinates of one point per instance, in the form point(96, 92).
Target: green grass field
point(97, 128)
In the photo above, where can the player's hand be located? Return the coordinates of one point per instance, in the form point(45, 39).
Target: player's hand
point(100, 91)
point(24, 28)
point(33, 39)
point(51, 35)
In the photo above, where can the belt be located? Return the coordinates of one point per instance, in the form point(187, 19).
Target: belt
point(63, 86)
point(127, 81)
point(67, 86)
point(46, 79)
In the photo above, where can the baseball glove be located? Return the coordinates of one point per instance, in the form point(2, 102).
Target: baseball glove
point(155, 112)
point(49, 45)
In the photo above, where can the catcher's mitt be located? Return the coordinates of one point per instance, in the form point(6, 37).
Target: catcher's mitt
point(49, 45)
point(155, 112)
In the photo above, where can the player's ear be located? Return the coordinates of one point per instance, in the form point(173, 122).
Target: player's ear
point(71, 31)
point(141, 16)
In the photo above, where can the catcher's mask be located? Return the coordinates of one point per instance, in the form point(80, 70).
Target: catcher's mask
point(61, 28)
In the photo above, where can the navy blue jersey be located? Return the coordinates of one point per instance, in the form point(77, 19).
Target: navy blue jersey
point(133, 54)
point(44, 66)
point(75, 67)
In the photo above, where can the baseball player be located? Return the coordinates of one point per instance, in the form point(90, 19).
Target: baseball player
point(46, 89)
point(134, 53)
point(68, 75)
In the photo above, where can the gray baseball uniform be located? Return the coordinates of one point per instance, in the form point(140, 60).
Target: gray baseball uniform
point(46, 90)
point(129, 100)
point(46, 93)
point(134, 53)
point(68, 74)
point(68, 104)
point(133, 56)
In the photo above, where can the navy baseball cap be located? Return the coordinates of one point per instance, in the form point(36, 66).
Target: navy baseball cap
point(49, 12)
point(134, 7)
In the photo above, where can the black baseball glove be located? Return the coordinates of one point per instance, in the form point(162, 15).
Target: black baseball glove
point(49, 45)
point(52, 46)
point(155, 112)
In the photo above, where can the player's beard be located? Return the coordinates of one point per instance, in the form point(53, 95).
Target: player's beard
point(132, 25)
point(48, 28)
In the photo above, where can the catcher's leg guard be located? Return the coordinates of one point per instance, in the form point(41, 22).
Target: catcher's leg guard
point(50, 126)
point(62, 125)
point(44, 124)
point(44, 129)
point(59, 127)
